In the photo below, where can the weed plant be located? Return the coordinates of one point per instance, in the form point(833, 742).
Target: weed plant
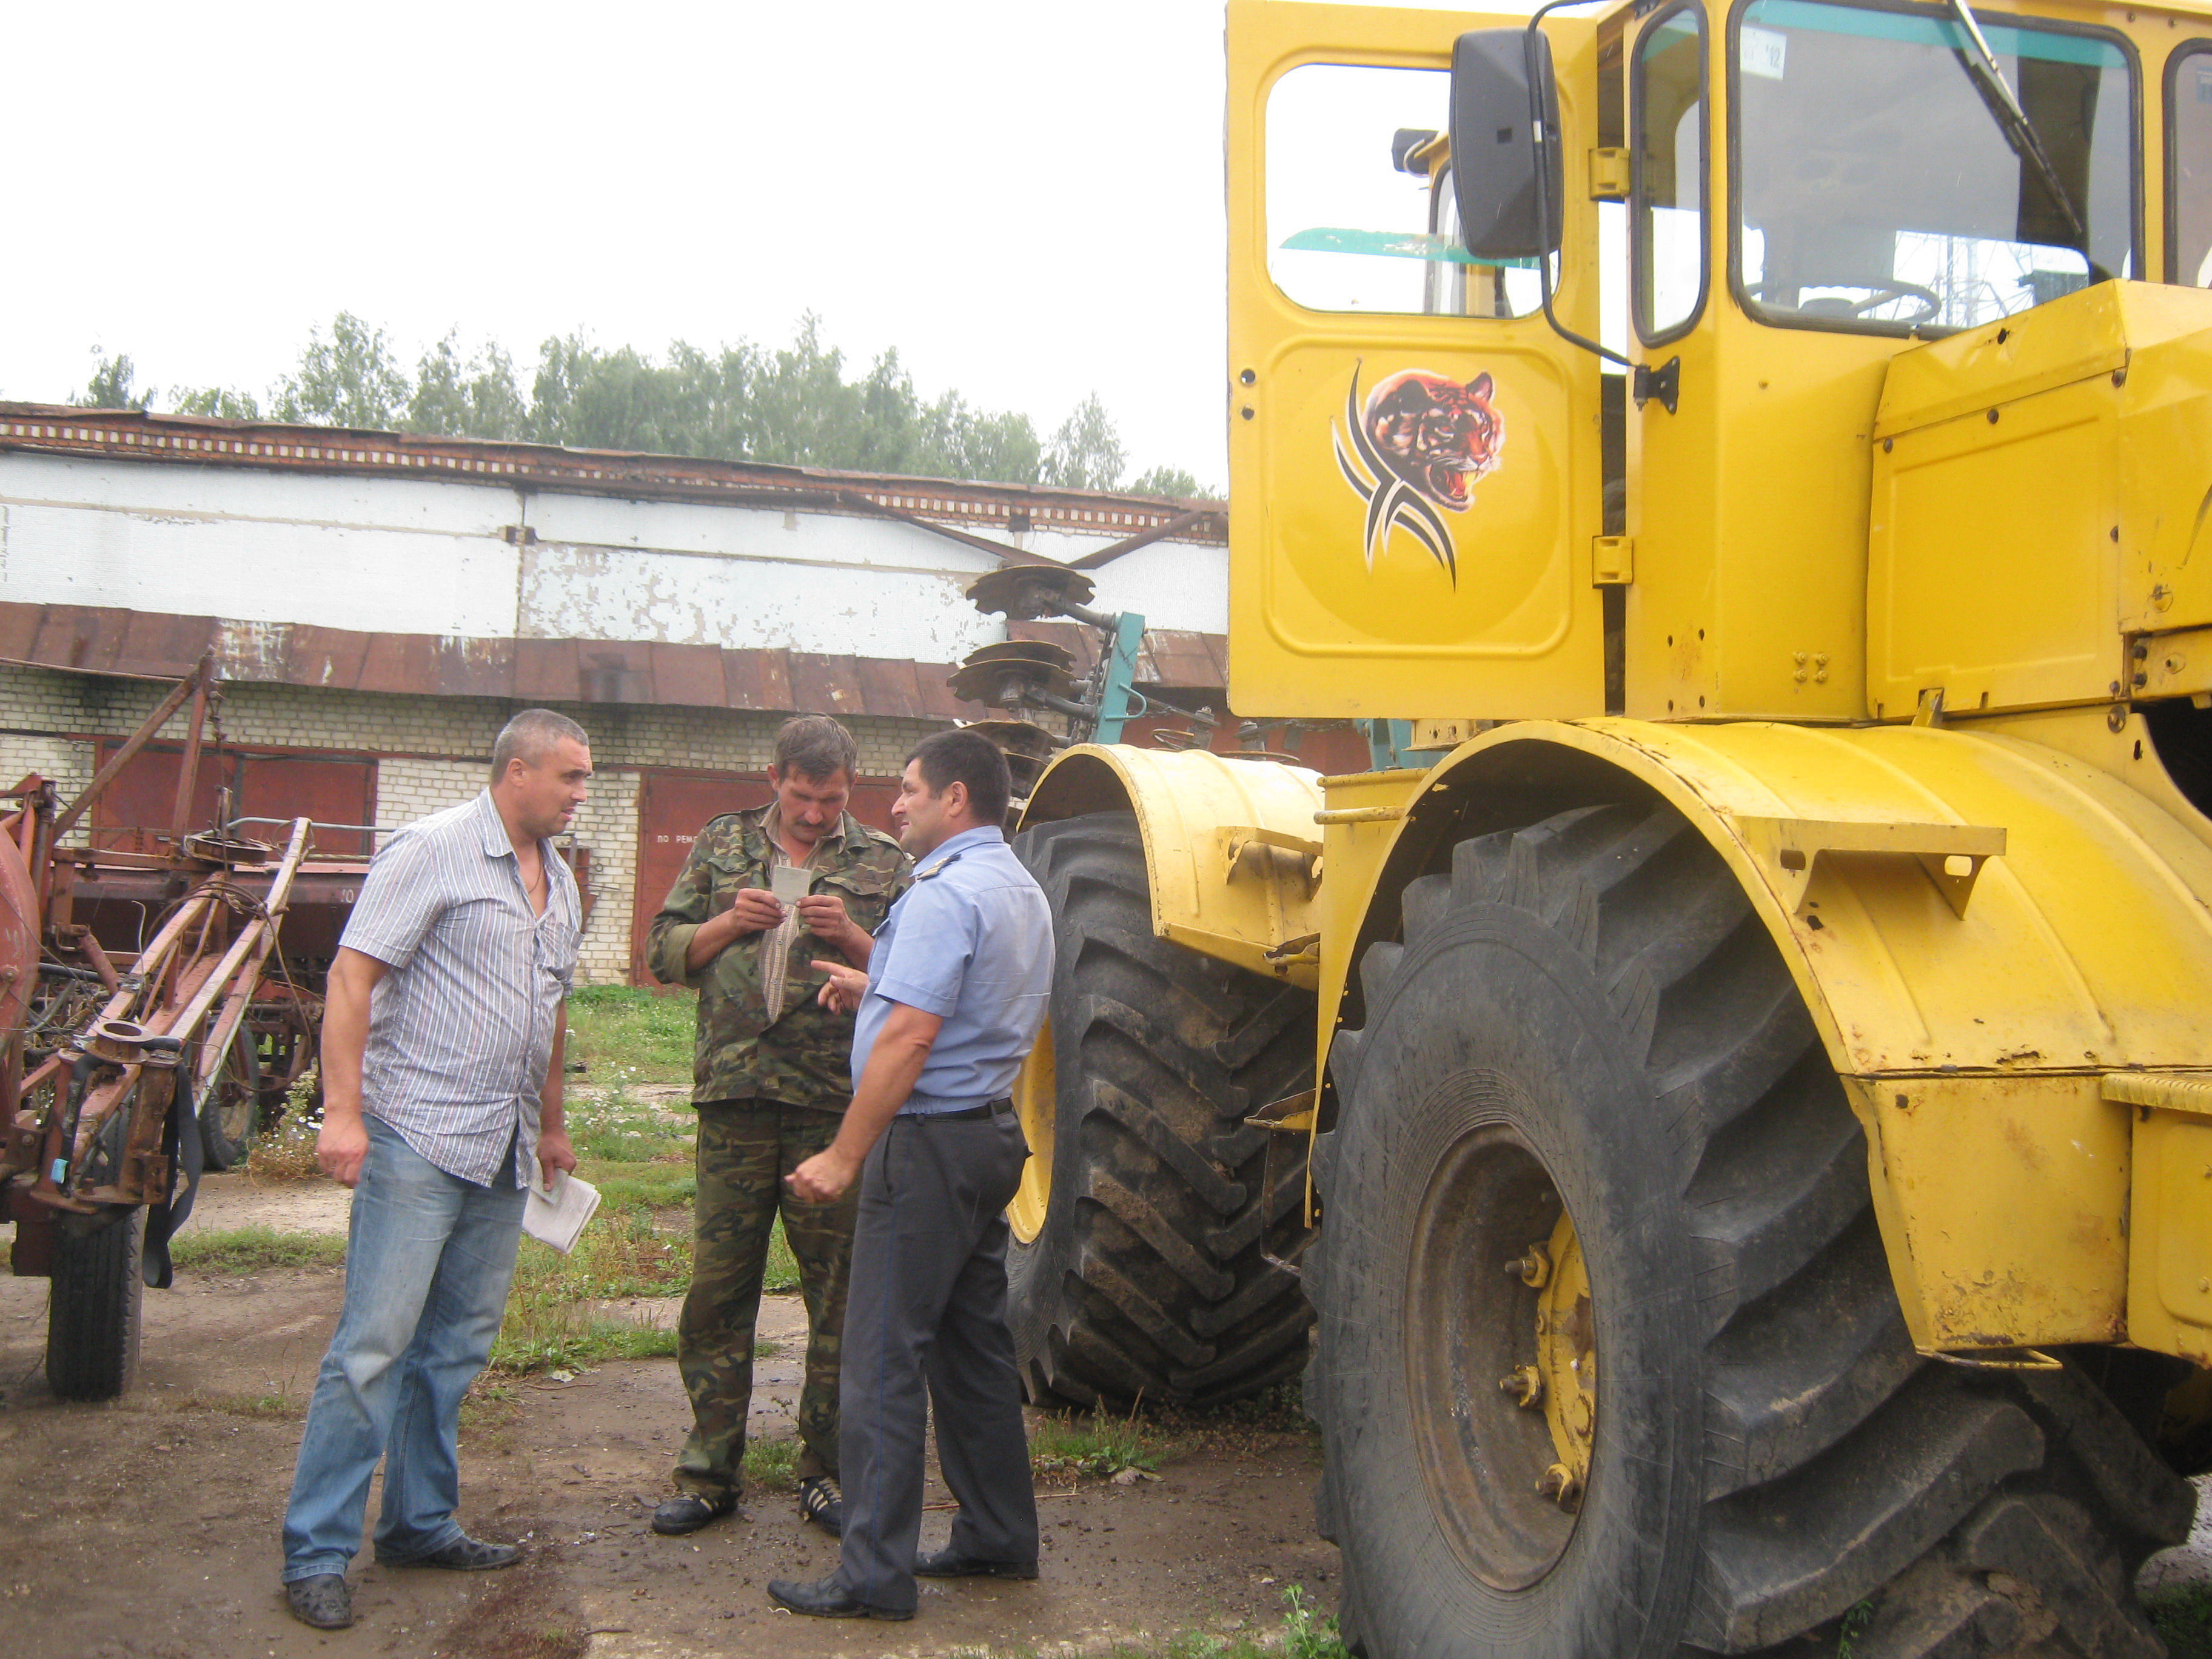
point(1065, 1449)
point(286, 1152)
point(2183, 1615)
point(771, 1465)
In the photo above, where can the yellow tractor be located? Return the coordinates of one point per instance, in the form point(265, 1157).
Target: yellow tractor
point(1752, 465)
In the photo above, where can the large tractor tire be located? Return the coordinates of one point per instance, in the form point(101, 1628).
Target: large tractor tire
point(1149, 1207)
point(93, 1304)
point(1609, 1362)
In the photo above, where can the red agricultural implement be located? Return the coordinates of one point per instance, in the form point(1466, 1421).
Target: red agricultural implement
point(151, 1023)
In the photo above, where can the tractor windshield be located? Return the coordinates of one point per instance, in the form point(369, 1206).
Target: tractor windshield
point(1880, 183)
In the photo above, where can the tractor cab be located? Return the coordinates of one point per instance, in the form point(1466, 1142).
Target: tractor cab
point(1678, 247)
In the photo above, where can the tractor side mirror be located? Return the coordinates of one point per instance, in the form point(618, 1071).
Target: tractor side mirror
point(1495, 162)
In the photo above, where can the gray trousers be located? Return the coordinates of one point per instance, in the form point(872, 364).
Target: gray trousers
point(926, 1303)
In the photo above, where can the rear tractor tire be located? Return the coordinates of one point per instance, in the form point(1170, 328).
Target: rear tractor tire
point(1609, 1361)
point(1149, 1206)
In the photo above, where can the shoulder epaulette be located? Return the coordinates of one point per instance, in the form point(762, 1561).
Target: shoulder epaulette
point(926, 873)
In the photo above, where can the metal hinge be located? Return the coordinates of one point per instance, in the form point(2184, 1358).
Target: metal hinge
point(1613, 561)
point(1609, 175)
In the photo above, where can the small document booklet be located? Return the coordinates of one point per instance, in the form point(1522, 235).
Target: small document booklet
point(789, 883)
point(557, 1218)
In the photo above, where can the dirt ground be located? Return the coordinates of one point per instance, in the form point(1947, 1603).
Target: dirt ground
point(150, 1527)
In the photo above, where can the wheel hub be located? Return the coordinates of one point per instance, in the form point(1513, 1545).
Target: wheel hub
point(1566, 1361)
point(1501, 1358)
point(1035, 1103)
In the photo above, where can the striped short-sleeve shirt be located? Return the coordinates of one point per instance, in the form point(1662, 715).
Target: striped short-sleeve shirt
point(460, 1031)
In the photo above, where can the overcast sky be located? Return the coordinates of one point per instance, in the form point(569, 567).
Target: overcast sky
point(1024, 198)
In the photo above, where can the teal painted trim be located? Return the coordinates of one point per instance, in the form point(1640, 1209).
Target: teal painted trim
point(1391, 245)
point(1117, 697)
point(1390, 746)
point(2005, 40)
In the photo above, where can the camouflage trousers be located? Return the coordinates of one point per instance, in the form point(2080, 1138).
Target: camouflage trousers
point(745, 1148)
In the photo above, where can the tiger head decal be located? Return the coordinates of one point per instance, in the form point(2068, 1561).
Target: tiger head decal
point(1419, 442)
point(1436, 435)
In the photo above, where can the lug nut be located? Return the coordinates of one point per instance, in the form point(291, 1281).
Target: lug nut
point(1559, 1484)
point(1526, 1385)
point(1531, 1269)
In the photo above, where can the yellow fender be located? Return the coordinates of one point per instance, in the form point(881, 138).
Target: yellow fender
point(2006, 951)
point(1230, 846)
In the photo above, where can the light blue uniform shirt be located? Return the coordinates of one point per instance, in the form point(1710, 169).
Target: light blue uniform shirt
point(970, 942)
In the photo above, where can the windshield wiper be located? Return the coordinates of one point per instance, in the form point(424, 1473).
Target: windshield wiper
point(1982, 67)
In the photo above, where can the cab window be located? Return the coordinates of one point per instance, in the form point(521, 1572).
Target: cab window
point(2189, 166)
point(1354, 223)
point(1667, 95)
point(1883, 185)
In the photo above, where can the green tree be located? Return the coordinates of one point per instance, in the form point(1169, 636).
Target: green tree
point(350, 379)
point(474, 398)
point(220, 401)
point(110, 386)
point(794, 405)
point(1086, 452)
point(1170, 480)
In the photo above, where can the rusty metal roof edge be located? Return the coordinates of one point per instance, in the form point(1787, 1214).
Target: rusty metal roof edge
point(251, 652)
point(201, 440)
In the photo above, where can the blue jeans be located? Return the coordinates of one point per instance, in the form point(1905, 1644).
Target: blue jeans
point(428, 1260)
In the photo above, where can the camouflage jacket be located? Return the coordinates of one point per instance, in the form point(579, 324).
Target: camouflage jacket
point(804, 1059)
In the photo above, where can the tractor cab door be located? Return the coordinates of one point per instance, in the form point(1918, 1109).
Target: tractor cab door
point(1415, 476)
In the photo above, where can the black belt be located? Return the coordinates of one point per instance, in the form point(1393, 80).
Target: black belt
point(965, 1115)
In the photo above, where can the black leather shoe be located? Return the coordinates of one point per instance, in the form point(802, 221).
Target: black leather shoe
point(819, 1502)
point(687, 1512)
point(323, 1601)
point(951, 1564)
point(826, 1598)
point(467, 1554)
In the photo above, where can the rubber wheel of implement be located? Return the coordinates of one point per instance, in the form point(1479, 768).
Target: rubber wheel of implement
point(1586, 1017)
point(231, 1114)
point(92, 1316)
point(1147, 1274)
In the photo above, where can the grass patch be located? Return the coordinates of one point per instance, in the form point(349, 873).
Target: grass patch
point(249, 1249)
point(771, 1465)
point(649, 1186)
point(2183, 1615)
point(561, 1337)
point(1071, 1446)
point(624, 1033)
point(1306, 1632)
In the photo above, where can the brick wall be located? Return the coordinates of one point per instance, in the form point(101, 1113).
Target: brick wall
point(431, 753)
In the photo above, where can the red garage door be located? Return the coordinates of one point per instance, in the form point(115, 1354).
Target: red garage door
point(139, 801)
point(673, 807)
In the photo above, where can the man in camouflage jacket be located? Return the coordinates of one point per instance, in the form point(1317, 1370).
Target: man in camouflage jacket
point(772, 1075)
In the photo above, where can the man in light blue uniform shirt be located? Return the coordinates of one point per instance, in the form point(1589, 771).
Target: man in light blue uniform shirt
point(955, 992)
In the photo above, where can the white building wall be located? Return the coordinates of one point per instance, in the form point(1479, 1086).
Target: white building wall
point(408, 555)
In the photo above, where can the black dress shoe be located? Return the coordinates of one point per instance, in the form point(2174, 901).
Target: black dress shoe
point(826, 1598)
point(818, 1501)
point(323, 1601)
point(688, 1512)
point(467, 1554)
point(951, 1564)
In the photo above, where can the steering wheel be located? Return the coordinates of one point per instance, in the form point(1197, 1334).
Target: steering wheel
point(1931, 303)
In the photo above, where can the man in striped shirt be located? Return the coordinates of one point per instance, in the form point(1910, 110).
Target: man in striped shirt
point(441, 1102)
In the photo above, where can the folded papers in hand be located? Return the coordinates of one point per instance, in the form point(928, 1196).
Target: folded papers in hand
point(557, 1218)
